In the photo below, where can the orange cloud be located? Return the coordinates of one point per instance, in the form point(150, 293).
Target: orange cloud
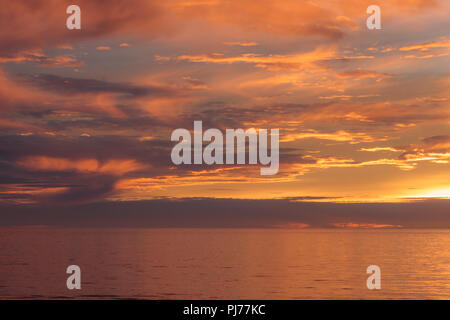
point(433, 49)
point(20, 194)
point(103, 48)
point(145, 18)
point(37, 56)
point(376, 149)
point(364, 74)
point(354, 225)
point(292, 225)
point(291, 17)
point(149, 18)
point(427, 45)
point(341, 136)
point(241, 43)
point(13, 94)
point(272, 62)
point(113, 166)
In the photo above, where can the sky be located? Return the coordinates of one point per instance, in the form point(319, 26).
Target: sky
point(86, 115)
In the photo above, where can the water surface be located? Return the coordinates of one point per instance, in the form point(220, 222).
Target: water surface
point(224, 263)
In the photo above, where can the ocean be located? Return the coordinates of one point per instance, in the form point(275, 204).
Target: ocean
point(146, 263)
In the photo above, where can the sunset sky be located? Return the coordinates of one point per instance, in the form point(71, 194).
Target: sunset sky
point(364, 115)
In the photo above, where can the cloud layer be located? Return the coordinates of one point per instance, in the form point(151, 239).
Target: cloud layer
point(364, 116)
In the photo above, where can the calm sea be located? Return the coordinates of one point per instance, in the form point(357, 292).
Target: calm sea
point(224, 263)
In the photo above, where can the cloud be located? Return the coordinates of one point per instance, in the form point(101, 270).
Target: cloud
point(310, 60)
point(82, 85)
point(435, 149)
point(45, 162)
point(37, 56)
point(350, 115)
point(427, 50)
point(353, 225)
point(437, 143)
point(364, 74)
point(103, 48)
point(39, 23)
point(292, 18)
point(376, 149)
point(49, 103)
point(81, 191)
point(232, 213)
point(272, 62)
point(340, 136)
point(426, 46)
point(339, 162)
point(427, 56)
point(300, 66)
point(241, 43)
point(110, 166)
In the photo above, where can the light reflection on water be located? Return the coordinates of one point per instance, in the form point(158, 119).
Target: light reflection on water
point(224, 263)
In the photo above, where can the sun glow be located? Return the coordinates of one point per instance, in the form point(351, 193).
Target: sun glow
point(438, 193)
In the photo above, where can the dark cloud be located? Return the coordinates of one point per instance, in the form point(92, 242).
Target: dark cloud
point(66, 85)
point(79, 186)
point(39, 23)
point(437, 143)
point(83, 189)
point(99, 147)
point(434, 146)
point(230, 213)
